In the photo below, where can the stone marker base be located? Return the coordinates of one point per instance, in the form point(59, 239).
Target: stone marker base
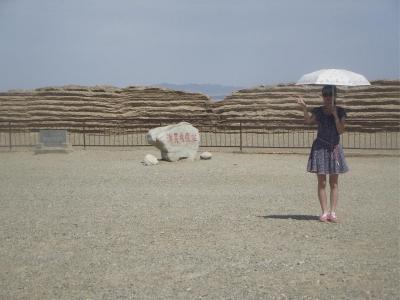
point(64, 148)
point(175, 156)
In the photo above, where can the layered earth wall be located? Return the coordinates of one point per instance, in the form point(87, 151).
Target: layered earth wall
point(371, 108)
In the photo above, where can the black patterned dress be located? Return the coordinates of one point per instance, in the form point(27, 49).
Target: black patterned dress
point(326, 156)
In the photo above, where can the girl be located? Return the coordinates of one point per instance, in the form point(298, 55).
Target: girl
point(326, 156)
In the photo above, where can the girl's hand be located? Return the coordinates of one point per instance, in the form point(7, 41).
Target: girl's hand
point(300, 101)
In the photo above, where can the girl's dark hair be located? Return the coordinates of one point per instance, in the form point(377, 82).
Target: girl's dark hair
point(328, 89)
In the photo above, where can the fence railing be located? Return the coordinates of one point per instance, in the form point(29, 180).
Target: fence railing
point(91, 133)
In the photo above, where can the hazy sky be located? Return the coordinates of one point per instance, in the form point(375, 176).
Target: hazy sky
point(231, 42)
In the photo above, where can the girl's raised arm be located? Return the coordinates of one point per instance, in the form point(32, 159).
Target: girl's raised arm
point(308, 118)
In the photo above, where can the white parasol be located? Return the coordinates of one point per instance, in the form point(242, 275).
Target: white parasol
point(333, 77)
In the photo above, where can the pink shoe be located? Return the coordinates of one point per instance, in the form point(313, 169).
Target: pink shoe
point(332, 217)
point(324, 217)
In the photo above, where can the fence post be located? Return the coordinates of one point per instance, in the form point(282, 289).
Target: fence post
point(9, 135)
point(241, 140)
point(84, 136)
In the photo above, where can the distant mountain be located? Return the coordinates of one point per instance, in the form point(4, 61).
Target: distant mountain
point(215, 91)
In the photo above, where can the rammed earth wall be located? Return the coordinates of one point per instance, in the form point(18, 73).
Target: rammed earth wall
point(372, 108)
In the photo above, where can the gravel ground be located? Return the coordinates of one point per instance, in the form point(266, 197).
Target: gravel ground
point(98, 224)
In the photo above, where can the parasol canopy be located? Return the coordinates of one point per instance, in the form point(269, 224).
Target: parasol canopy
point(333, 77)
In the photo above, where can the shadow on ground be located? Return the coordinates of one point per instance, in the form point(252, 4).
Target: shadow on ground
point(294, 217)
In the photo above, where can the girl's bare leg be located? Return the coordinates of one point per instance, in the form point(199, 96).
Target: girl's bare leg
point(334, 185)
point(322, 193)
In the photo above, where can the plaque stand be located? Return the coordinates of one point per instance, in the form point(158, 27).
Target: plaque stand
point(53, 141)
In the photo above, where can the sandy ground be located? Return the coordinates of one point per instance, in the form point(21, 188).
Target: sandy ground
point(98, 224)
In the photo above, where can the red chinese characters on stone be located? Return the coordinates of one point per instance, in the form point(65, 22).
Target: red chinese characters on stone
point(182, 138)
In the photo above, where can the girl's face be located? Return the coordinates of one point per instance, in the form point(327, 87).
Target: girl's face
point(328, 99)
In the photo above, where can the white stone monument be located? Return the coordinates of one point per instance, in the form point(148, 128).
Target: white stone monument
point(176, 141)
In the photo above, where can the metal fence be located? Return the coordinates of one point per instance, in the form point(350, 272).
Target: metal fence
point(97, 132)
